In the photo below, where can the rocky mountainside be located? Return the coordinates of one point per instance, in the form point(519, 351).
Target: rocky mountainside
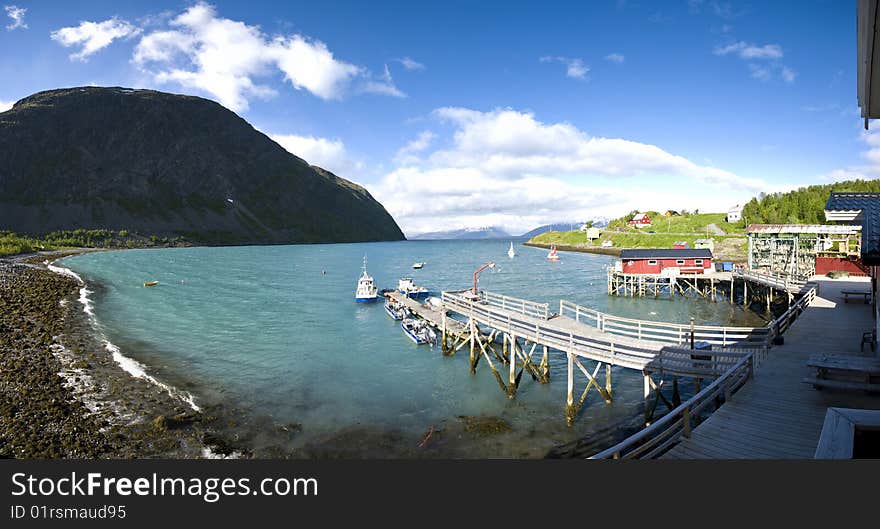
point(169, 165)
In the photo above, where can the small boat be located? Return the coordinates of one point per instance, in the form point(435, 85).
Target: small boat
point(552, 256)
point(419, 265)
point(396, 310)
point(366, 289)
point(151, 283)
point(406, 286)
point(418, 331)
point(510, 252)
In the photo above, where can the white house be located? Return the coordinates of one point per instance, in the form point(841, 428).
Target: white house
point(734, 214)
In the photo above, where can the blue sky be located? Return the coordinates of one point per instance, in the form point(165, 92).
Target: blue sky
point(462, 114)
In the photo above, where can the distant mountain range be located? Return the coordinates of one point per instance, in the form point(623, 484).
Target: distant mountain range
point(494, 232)
point(488, 232)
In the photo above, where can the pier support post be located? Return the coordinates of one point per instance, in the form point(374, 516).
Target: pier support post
point(544, 368)
point(511, 379)
point(473, 338)
point(443, 344)
point(608, 379)
point(569, 399)
point(745, 292)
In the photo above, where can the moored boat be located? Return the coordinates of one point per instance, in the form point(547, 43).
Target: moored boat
point(151, 283)
point(366, 289)
point(419, 265)
point(395, 309)
point(406, 286)
point(418, 331)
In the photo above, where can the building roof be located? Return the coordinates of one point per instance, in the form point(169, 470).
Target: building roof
point(863, 208)
point(641, 216)
point(776, 229)
point(666, 253)
point(704, 241)
point(735, 208)
point(867, 56)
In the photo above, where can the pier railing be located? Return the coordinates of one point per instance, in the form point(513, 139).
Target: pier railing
point(673, 333)
point(784, 321)
point(523, 306)
point(666, 432)
point(584, 341)
point(787, 282)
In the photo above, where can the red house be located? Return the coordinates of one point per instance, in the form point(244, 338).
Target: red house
point(655, 260)
point(640, 221)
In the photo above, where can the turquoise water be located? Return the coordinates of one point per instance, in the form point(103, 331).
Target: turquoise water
point(262, 329)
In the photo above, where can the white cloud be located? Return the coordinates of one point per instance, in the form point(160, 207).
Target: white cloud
point(574, 68)
point(226, 58)
point(615, 57)
point(92, 37)
point(17, 15)
point(788, 75)
point(745, 50)
point(326, 153)
point(505, 167)
point(867, 171)
point(411, 64)
point(5, 105)
point(383, 85)
point(407, 153)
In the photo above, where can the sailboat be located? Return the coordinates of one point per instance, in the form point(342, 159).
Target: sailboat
point(510, 252)
point(366, 289)
point(552, 256)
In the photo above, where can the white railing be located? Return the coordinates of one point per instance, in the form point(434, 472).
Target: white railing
point(666, 432)
point(673, 333)
point(785, 282)
point(602, 347)
point(522, 306)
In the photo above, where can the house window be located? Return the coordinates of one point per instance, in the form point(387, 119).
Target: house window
point(652, 262)
point(698, 262)
point(679, 262)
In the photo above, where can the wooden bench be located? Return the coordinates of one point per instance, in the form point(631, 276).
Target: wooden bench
point(866, 295)
point(848, 372)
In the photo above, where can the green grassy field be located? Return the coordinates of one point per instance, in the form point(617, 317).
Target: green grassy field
point(14, 244)
point(667, 231)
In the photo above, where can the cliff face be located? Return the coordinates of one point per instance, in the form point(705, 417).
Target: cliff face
point(168, 165)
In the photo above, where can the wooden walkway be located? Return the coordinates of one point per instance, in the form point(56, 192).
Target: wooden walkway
point(775, 415)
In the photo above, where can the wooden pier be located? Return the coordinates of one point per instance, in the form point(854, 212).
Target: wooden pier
point(775, 415)
point(764, 288)
point(658, 350)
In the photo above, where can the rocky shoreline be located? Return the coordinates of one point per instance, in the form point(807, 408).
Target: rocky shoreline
point(62, 395)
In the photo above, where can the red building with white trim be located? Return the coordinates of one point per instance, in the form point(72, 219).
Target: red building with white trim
point(656, 260)
point(641, 220)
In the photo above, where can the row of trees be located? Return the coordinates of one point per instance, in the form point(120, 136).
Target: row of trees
point(802, 206)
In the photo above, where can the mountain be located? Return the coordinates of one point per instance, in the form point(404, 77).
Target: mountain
point(599, 222)
point(170, 165)
point(490, 232)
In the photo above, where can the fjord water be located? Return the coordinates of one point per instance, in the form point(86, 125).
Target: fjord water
point(262, 329)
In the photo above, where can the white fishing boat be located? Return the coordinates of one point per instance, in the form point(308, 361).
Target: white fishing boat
point(366, 289)
point(418, 331)
point(395, 309)
point(406, 286)
point(553, 256)
point(418, 265)
point(510, 252)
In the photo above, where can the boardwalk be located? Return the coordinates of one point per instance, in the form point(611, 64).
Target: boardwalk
point(776, 415)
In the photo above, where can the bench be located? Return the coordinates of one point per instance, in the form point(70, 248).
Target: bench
point(847, 372)
point(866, 295)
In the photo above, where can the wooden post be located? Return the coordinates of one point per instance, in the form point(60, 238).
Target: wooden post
point(443, 344)
point(545, 363)
point(511, 379)
point(608, 379)
point(569, 399)
point(745, 292)
point(473, 346)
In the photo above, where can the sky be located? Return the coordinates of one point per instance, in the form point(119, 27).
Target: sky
point(463, 114)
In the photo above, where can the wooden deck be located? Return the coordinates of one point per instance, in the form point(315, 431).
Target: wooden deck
point(775, 415)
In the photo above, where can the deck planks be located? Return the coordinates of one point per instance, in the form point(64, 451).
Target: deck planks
point(775, 415)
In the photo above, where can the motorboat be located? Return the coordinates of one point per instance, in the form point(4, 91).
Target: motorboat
point(511, 253)
point(553, 256)
point(406, 287)
point(366, 289)
point(395, 309)
point(151, 283)
point(418, 331)
point(418, 265)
